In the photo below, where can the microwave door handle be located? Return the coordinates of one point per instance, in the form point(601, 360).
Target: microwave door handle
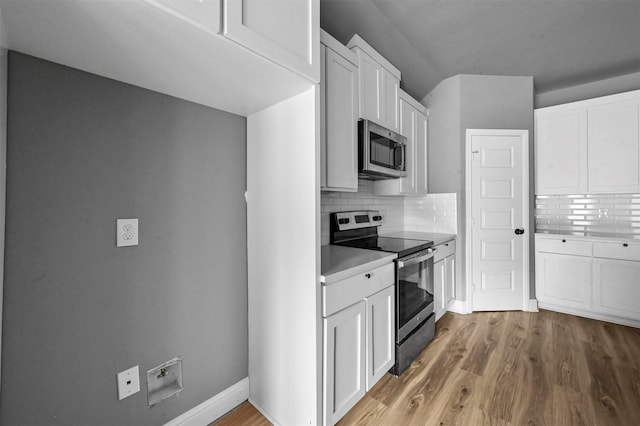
point(398, 146)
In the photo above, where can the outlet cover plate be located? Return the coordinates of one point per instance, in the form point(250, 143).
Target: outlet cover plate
point(126, 232)
point(128, 382)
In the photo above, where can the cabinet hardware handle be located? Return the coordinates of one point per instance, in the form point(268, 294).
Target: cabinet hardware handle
point(625, 245)
point(519, 231)
point(564, 241)
point(367, 275)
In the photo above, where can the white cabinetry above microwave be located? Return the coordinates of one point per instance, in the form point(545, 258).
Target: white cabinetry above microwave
point(590, 146)
point(379, 85)
point(413, 126)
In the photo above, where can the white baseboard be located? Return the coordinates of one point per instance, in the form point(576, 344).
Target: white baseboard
point(214, 408)
point(533, 305)
point(459, 307)
point(590, 314)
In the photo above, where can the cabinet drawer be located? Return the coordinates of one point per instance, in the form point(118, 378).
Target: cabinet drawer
point(564, 246)
point(445, 249)
point(346, 292)
point(617, 250)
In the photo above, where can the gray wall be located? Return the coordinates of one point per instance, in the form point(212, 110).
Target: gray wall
point(82, 151)
point(444, 137)
point(483, 102)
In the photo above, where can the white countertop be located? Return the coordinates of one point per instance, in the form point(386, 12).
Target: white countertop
point(437, 237)
point(340, 262)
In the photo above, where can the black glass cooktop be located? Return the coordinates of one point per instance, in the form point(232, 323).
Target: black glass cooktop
point(402, 246)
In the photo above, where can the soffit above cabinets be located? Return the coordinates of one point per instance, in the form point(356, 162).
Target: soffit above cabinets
point(138, 43)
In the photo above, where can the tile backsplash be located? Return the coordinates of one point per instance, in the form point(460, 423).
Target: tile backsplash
point(432, 213)
point(597, 215)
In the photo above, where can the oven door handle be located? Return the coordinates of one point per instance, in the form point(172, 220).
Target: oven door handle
point(413, 260)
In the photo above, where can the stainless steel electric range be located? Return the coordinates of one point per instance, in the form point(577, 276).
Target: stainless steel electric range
point(415, 319)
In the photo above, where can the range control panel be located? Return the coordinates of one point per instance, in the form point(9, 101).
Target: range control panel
point(357, 219)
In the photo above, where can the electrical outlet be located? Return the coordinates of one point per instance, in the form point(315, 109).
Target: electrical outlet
point(126, 232)
point(128, 382)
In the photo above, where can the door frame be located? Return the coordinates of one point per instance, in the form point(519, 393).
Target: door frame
point(527, 304)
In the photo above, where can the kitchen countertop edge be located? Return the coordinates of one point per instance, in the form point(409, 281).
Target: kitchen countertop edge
point(587, 237)
point(437, 237)
point(340, 262)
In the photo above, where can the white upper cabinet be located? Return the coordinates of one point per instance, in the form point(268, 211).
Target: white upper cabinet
point(422, 160)
point(286, 31)
point(561, 152)
point(201, 13)
point(614, 147)
point(379, 85)
point(408, 128)
point(590, 146)
point(390, 98)
point(339, 117)
point(413, 125)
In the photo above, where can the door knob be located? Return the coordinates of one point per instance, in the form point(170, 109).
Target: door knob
point(519, 231)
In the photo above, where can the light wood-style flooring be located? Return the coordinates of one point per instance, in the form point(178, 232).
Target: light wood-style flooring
point(507, 368)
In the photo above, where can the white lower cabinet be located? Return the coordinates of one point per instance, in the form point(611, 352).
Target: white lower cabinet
point(344, 361)
point(563, 280)
point(358, 337)
point(616, 287)
point(380, 335)
point(593, 278)
point(444, 273)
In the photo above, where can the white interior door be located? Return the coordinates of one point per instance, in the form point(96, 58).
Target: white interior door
point(499, 218)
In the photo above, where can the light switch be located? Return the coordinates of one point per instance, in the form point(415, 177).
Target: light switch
point(126, 232)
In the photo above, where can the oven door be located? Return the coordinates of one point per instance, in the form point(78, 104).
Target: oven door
point(414, 292)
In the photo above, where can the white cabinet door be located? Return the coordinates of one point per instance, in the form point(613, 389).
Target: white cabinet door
point(408, 128)
point(344, 361)
point(370, 88)
point(381, 353)
point(390, 93)
point(614, 147)
point(563, 280)
point(285, 31)
point(561, 152)
point(450, 281)
point(439, 284)
point(422, 186)
point(379, 92)
point(204, 14)
point(616, 287)
point(340, 131)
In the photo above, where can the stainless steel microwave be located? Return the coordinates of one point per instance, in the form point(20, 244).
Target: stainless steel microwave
point(381, 152)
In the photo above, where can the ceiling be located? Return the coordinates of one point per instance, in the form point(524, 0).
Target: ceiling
point(560, 43)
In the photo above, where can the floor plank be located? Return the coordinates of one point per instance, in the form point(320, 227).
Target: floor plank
point(506, 368)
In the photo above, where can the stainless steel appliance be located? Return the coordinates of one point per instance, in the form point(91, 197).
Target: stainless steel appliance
point(415, 319)
point(381, 152)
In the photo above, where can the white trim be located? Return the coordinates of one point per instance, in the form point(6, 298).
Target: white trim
point(459, 307)
point(590, 314)
point(588, 103)
point(526, 280)
point(533, 305)
point(214, 408)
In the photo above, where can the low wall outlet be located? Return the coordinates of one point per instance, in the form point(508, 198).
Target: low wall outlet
point(128, 382)
point(126, 232)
